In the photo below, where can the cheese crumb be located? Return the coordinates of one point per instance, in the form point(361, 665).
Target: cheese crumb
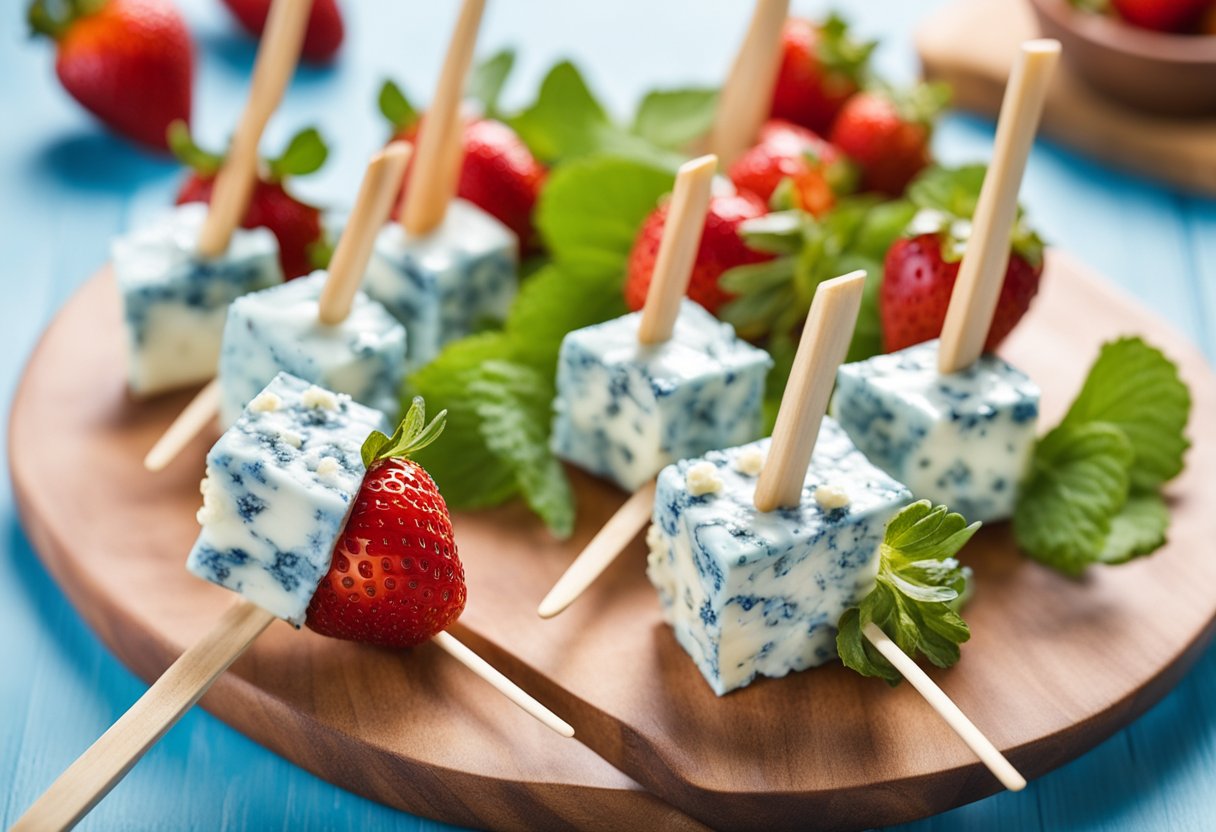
point(328, 466)
point(702, 478)
point(265, 402)
point(831, 496)
point(209, 510)
point(290, 437)
point(750, 462)
point(319, 398)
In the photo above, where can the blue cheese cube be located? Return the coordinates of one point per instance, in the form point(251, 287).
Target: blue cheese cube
point(277, 330)
point(174, 301)
point(624, 410)
point(280, 484)
point(963, 440)
point(749, 593)
point(449, 283)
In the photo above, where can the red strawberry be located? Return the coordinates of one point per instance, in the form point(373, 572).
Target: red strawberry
point(916, 286)
point(821, 66)
point(396, 579)
point(787, 151)
point(322, 37)
point(295, 224)
point(721, 248)
point(888, 139)
point(129, 62)
point(499, 173)
point(1162, 15)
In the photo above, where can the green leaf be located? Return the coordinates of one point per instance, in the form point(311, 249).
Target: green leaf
point(675, 118)
point(304, 154)
point(412, 435)
point(1136, 388)
point(915, 594)
point(488, 78)
point(396, 108)
point(513, 402)
point(590, 210)
point(1137, 530)
point(1078, 482)
point(867, 334)
point(182, 145)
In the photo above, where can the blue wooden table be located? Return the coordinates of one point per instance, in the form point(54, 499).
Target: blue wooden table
point(66, 188)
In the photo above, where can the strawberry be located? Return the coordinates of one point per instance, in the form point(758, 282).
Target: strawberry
point(721, 248)
point(499, 174)
point(788, 151)
point(129, 62)
point(395, 579)
point(888, 135)
point(322, 37)
point(821, 67)
point(1162, 15)
point(920, 269)
point(295, 224)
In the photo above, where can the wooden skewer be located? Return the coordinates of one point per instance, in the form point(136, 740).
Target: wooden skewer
point(747, 93)
point(603, 549)
point(371, 211)
point(346, 270)
point(984, 749)
point(824, 343)
point(457, 650)
point(431, 185)
point(981, 274)
point(677, 249)
point(108, 760)
point(278, 53)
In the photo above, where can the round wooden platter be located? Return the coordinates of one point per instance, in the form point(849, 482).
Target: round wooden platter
point(1054, 666)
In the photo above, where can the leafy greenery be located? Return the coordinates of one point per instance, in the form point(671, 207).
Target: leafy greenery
point(412, 435)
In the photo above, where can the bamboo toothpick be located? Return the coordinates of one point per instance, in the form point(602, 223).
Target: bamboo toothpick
point(824, 343)
point(278, 53)
point(372, 207)
point(677, 249)
point(747, 93)
point(996, 762)
point(108, 760)
point(599, 554)
point(188, 424)
point(981, 274)
point(431, 186)
point(459, 651)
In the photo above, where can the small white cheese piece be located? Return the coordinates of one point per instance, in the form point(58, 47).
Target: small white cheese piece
point(831, 496)
point(328, 466)
point(702, 478)
point(209, 511)
point(265, 402)
point(751, 462)
point(320, 398)
point(290, 437)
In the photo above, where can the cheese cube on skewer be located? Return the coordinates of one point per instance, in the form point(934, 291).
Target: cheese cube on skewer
point(279, 486)
point(625, 409)
point(750, 593)
point(447, 283)
point(175, 302)
point(277, 330)
point(962, 439)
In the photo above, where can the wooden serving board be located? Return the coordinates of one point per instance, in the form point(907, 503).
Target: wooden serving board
point(971, 45)
point(1055, 665)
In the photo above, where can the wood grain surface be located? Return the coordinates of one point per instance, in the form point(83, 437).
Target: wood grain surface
point(971, 45)
point(1054, 666)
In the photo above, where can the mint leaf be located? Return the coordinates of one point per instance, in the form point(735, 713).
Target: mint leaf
point(396, 108)
point(675, 118)
point(487, 80)
point(513, 402)
point(590, 210)
point(1078, 482)
point(1137, 530)
point(1136, 388)
point(304, 154)
point(913, 601)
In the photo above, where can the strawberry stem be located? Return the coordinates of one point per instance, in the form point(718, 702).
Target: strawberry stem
point(411, 436)
point(53, 18)
point(181, 143)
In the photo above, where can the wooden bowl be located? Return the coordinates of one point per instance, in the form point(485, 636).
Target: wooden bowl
point(1173, 75)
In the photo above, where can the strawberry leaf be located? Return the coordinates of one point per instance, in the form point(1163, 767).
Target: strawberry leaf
point(487, 80)
point(411, 436)
point(675, 118)
point(396, 108)
point(304, 154)
point(1137, 530)
point(841, 52)
point(182, 145)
